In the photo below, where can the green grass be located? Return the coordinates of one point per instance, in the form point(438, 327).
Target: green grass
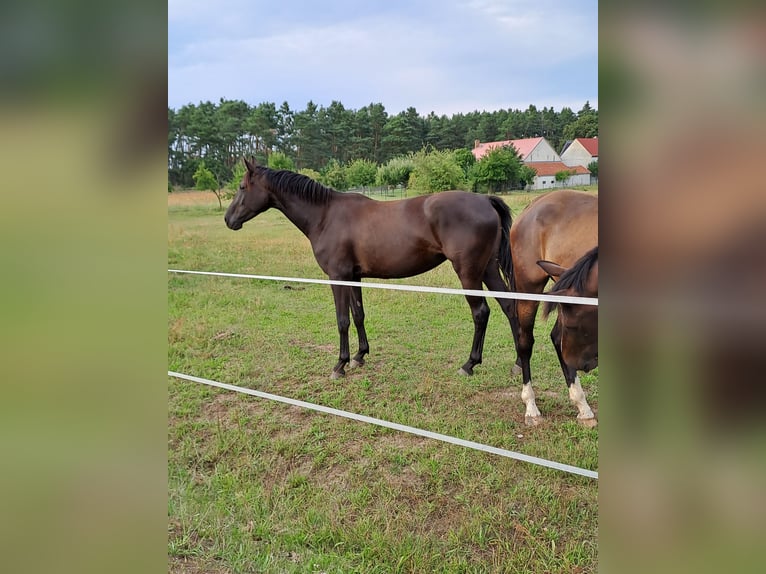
point(256, 486)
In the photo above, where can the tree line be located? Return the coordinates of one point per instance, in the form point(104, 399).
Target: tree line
point(321, 139)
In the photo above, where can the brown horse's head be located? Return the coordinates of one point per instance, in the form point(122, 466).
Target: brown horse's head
point(251, 199)
point(577, 325)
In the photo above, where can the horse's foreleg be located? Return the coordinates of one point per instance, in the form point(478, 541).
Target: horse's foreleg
point(532, 415)
point(341, 294)
point(521, 316)
point(526, 312)
point(480, 312)
point(357, 312)
point(576, 394)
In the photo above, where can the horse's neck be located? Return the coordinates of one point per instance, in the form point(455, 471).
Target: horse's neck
point(305, 214)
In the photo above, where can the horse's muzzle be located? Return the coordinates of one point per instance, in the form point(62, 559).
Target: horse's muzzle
point(234, 225)
point(590, 365)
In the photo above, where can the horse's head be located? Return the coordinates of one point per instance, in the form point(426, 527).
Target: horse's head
point(577, 324)
point(251, 199)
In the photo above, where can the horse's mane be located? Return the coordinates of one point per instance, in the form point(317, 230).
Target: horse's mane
point(575, 278)
point(307, 189)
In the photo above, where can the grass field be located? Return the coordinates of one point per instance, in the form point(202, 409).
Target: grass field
point(255, 486)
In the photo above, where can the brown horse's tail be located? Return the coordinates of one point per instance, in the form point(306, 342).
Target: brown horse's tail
point(504, 254)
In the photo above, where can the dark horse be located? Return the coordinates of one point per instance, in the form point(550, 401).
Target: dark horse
point(560, 227)
point(575, 334)
point(353, 236)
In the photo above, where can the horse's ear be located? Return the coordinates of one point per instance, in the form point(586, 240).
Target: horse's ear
point(552, 269)
point(250, 165)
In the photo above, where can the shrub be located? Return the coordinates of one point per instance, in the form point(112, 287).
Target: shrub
point(279, 160)
point(312, 173)
point(500, 167)
point(334, 175)
point(361, 173)
point(436, 171)
point(396, 171)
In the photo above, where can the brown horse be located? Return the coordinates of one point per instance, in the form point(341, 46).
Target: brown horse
point(575, 334)
point(353, 236)
point(559, 226)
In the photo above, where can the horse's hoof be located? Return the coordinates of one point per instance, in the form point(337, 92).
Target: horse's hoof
point(337, 375)
point(355, 363)
point(462, 371)
point(516, 370)
point(588, 423)
point(532, 421)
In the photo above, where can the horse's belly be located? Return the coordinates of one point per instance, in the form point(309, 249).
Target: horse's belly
point(399, 266)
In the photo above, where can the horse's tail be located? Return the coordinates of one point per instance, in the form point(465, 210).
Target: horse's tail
point(504, 253)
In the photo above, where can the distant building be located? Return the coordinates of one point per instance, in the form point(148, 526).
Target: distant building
point(529, 149)
point(547, 170)
point(580, 151)
point(538, 154)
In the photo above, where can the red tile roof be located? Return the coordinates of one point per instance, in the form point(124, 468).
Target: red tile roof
point(523, 146)
point(590, 145)
point(553, 167)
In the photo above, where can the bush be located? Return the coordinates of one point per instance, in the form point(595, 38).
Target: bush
point(563, 175)
point(204, 180)
point(238, 174)
point(527, 175)
point(279, 160)
point(436, 171)
point(396, 172)
point(465, 159)
point(499, 168)
point(312, 173)
point(361, 173)
point(334, 175)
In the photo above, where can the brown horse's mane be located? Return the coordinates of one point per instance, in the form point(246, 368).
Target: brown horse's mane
point(573, 278)
point(305, 188)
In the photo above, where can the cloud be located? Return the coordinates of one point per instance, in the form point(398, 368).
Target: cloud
point(430, 56)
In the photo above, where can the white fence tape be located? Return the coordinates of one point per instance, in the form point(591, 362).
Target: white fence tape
point(418, 288)
point(395, 426)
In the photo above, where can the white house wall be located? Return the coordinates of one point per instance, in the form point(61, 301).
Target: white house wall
point(543, 152)
point(576, 154)
point(549, 181)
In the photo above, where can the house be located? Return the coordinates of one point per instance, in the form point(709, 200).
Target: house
point(580, 151)
point(538, 154)
point(547, 170)
point(529, 149)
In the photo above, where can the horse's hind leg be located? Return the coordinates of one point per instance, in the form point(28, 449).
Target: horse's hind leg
point(576, 394)
point(342, 297)
point(357, 312)
point(480, 312)
point(494, 282)
point(470, 275)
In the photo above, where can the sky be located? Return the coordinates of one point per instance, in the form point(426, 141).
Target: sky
point(441, 56)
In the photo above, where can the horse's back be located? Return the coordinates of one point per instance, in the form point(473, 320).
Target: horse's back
point(559, 226)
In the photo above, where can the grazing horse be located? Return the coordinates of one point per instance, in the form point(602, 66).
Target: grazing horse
point(575, 334)
point(559, 226)
point(353, 236)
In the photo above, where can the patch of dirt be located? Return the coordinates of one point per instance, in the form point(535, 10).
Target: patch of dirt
point(220, 407)
point(328, 348)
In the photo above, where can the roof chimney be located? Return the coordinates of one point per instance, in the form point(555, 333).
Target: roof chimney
point(476, 143)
